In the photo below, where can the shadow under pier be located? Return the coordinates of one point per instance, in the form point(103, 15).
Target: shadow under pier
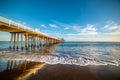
point(16, 70)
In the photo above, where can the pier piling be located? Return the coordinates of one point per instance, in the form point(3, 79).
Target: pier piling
point(29, 36)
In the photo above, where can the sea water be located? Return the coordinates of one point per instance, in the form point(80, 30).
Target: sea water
point(73, 53)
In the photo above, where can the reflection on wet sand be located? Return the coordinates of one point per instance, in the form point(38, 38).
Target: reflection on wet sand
point(74, 72)
point(26, 70)
point(20, 66)
point(21, 69)
point(16, 70)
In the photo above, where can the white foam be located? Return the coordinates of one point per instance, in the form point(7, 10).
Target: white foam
point(51, 59)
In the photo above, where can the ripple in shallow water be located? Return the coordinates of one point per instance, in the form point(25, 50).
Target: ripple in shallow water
point(56, 59)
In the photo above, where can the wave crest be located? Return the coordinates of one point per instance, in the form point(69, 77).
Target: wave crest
point(52, 59)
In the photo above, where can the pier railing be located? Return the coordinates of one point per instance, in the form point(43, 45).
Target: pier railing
point(10, 22)
point(8, 25)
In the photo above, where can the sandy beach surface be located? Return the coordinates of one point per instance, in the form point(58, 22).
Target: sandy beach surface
point(72, 72)
point(99, 61)
point(42, 71)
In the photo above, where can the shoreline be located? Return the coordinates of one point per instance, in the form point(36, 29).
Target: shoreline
point(43, 71)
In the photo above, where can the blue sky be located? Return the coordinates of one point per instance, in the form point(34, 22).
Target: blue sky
point(73, 20)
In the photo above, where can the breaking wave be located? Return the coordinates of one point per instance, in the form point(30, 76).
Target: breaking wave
point(56, 59)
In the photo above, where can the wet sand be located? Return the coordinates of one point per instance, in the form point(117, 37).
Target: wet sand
point(72, 72)
point(41, 71)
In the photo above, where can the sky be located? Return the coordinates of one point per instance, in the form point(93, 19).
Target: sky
point(73, 20)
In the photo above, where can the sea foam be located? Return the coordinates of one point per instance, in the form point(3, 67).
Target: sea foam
point(56, 59)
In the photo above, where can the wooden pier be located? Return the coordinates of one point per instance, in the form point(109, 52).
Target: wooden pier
point(21, 33)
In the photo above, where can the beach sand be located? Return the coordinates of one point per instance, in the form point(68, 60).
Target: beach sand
point(73, 72)
point(42, 71)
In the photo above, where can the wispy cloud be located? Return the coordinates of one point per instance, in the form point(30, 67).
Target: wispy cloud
point(109, 32)
point(24, 23)
point(66, 28)
point(76, 28)
point(53, 25)
point(89, 29)
point(63, 25)
point(115, 33)
point(110, 39)
point(111, 25)
point(42, 25)
point(52, 33)
point(112, 28)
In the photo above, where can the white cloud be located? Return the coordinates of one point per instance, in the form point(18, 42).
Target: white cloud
point(51, 33)
point(55, 33)
point(114, 33)
point(110, 32)
point(61, 23)
point(103, 39)
point(77, 28)
point(24, 23)
point(70, 34)
point(53, 25)
point(42, 25)
point(89, 29)
point(66, 28)
point(37, 30)
point(112, 28)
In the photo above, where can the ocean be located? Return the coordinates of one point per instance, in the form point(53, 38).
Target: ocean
point(81, 54)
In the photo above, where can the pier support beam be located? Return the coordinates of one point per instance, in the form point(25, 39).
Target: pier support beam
point(32, 41)
point(38, 43)
point(46, 41)
point(21, 41)
point(50, 41)
point(43, 41)
point(26, 41)
point(11, 40)
point(17, 40)
point(14, 40)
